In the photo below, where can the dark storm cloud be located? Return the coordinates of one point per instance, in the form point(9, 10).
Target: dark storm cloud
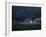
point(20, 13)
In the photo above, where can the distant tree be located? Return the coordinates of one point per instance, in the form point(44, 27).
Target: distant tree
point(32, 19)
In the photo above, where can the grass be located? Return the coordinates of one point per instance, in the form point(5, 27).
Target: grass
point(17, 27)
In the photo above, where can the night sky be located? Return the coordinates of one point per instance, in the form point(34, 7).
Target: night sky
point(19, 13)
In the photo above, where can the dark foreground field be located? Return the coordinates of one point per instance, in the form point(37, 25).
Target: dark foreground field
point(17, 27)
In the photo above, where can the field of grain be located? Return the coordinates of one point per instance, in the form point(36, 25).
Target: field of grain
point(17, 27)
